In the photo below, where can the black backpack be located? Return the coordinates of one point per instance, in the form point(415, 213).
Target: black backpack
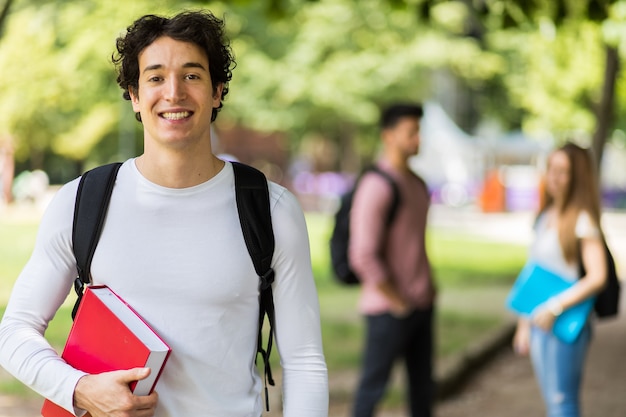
point(253, 204)
point(607, 300)
point(341, 232)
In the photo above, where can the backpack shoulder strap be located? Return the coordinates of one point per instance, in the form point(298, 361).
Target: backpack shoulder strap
point(253, 205)
point(92, 201)
point(395, 202)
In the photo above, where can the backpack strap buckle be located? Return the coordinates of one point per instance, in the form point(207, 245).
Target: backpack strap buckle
point(267, 279)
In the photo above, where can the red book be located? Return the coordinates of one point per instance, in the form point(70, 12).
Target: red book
point(108, 335)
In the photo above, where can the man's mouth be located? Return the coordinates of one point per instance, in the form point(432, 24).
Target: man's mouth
point(176, 115)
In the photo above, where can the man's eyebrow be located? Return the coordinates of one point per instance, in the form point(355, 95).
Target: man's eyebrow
point(186, 65)
point(152, 67)
point(194, 65)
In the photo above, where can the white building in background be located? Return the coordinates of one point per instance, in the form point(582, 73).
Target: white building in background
point(460, 169)
point(449, 160)
point(455, 164)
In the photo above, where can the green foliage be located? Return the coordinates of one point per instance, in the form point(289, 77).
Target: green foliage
point(59, 90)
point(311, 68)
point(54, 73)
point(558, 76)
point(555, 55)
point(326, 69)
point(333, 63)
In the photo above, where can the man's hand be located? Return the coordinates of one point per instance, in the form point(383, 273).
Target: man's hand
point(108, 394)
point(398, 307)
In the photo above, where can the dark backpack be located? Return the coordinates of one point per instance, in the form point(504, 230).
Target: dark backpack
point(607, 300)
point(340, 237)
point(253, 204)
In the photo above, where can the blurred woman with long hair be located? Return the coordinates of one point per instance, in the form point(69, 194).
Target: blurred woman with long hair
point(567, 232)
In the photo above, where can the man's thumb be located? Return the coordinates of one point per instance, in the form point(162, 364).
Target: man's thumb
point(136, 374)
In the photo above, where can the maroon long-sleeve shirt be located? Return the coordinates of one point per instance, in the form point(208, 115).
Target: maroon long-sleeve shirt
point(398, 253)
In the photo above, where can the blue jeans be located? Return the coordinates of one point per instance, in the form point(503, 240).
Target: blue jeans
point(559, 367)
point(387, 339)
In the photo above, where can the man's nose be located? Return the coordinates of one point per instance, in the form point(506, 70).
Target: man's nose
point(175, 90)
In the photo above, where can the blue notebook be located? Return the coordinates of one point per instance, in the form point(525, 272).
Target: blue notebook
point(534, 286)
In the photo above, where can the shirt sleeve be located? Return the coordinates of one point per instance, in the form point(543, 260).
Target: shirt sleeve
point(585, 227)
point(298, 330)
point(368, 215)
point(39, 291)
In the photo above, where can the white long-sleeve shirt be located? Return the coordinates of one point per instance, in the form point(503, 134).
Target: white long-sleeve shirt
point(178, 257)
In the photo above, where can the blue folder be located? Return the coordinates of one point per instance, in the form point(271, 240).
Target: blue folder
point(535, 285)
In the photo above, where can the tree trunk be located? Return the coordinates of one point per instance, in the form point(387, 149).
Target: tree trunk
point(4, 13)
point(604, 115)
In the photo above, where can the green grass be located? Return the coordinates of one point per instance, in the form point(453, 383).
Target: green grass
point(16, 243)
point(342, 328)
point(457, 259)
point(459, 262)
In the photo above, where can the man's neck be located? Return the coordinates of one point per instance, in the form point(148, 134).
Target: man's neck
point(398, 162)
point(178, 171)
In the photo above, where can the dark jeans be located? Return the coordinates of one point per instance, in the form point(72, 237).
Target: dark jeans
point(387, 339)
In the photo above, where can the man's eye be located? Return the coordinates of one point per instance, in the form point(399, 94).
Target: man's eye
point(154, 79)
point(192, 77)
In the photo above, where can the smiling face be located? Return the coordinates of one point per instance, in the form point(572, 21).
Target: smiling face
point(175, 97)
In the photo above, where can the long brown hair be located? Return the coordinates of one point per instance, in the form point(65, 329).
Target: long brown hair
point(583, 194)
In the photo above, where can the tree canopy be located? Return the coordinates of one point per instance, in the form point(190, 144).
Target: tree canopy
point(316, 68)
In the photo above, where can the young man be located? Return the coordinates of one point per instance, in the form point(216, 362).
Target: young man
point(172, 247)
point(397, 292)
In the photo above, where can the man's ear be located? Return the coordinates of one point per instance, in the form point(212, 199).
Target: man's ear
point(217, 95)
point(134, 98)
point(386, 136)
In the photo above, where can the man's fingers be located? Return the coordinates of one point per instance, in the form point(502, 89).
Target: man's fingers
point(146, 402)
point(108, 394)
point(134, 374)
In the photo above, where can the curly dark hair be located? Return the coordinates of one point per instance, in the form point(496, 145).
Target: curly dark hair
point(201, 28)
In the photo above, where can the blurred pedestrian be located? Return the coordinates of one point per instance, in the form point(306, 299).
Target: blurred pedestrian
point(567, 231)
point(7, 169)
point(397, 290)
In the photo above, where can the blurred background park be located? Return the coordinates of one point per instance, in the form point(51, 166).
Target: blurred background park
point(503, 82)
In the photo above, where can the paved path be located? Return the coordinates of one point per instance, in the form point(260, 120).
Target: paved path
point(507, 387)
point(18, 407)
